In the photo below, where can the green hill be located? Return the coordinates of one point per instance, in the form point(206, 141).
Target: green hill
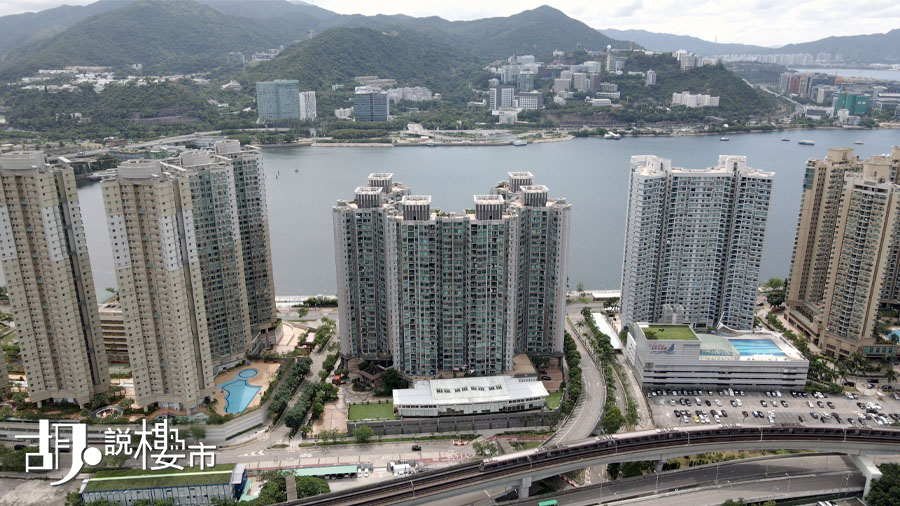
point(20, 29)
point(339, 54)
point(176, 36)
point(873, 48)
point(537, 31)
point(736, 97)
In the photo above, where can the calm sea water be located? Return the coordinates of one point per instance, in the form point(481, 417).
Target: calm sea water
point(591, 173)
point(883, 74)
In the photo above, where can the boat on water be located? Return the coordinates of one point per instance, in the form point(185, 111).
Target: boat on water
point(806, 143)
point(430, 144)
point(612, 135)
point(858, 142)
point(520, 142)
point(724, 139)
point(785, 139)
point(296, 171)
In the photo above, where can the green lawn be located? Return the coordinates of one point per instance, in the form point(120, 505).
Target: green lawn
point(554, 399)
point(525, 445)
point(384, 410)
point(673, 332)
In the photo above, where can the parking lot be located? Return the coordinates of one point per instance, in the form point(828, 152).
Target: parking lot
point(789, 408)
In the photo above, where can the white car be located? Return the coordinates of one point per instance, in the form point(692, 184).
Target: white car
point(718, 402)
point(809, 403)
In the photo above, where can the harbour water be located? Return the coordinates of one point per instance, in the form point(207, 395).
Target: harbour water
point(591, 173)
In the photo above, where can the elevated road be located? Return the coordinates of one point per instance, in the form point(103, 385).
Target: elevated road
point(520, 469)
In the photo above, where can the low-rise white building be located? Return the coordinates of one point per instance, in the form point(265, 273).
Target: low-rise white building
point(674, 356)
point(470, 396)
point(691, 100)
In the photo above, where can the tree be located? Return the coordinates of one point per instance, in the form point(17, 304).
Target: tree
point(774, 284)
point(611, 302)
point(126, 403)
point(890, 374)
point(612, 420)
point(317, 410)
point(197, 432)
point(885, 491)
point(74, 499)
point(485, 448)
point(775, 299)
point(363, 433)
point(390, 380)
point(309, 486)
point(580, 287)
point(305, 430)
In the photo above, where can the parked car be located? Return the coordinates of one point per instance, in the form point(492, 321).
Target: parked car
point(416, 448)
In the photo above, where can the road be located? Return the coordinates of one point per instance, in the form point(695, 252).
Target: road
point(587, 412)
point(745, 479)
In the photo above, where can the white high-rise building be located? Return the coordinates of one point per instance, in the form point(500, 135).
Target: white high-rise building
point(694, 238)
point(307, 105)
point(650, 79)
point(48, 274)
point(430, 291)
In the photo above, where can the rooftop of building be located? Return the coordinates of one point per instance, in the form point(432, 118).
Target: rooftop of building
point(455, 391)
point(522, 366)
point(670, 332)
point(651, 165)
point(128, 479)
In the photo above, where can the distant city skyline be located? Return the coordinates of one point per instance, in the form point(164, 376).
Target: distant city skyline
point(760, 22)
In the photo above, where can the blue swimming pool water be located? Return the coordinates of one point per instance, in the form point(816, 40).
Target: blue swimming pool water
point(751, 347)
point(239, 393)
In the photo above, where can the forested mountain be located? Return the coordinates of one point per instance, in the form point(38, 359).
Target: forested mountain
point(669, 42)
point(873, 48)
point(538, 31)
point(20, 29)
point(184, 35)
point(339, 54)
point(173, 36)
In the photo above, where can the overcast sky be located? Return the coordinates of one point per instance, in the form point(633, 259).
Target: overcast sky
point(763, 22)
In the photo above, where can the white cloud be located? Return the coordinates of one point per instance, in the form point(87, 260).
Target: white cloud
point(763, 22)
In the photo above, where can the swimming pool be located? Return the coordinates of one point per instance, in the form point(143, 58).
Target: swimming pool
point(238, 392)
point(750, 347)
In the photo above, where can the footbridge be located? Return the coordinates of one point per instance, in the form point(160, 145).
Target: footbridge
point(520, 469)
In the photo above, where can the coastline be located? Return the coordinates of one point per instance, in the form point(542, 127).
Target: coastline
point(310, 143)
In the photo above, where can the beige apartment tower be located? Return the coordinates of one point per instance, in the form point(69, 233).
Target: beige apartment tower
point(253, 221)
point(48, 273)
point(160, 283)
point(847, 252)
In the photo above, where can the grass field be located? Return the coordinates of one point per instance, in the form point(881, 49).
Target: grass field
point(384, 410)
point(554, 399)
point(525, 445)
point(673, 332)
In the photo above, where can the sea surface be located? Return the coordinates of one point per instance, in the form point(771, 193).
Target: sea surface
point(881, 74)
point(591, 173)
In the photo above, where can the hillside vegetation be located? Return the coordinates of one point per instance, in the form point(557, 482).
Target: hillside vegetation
point(175, 36)
point(339, 54)
point(736, 96)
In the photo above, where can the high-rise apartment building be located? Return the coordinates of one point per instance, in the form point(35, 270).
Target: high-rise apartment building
point(650, 79)
point(278, 100)
point(694, 238)
point(847, 252)
point(370, 104)
point(440, 292)
point(253, 222)
point(307, 105)
point(48, 275)
point(209, 201)
point(156, 253)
